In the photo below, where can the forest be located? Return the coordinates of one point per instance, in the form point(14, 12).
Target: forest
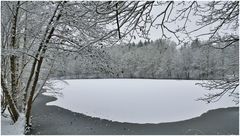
point(160, 59)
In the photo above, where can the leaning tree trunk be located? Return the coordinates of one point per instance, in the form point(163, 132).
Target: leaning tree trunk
point(11, 97)
point(12, 106)
point(29, 102)
point(13, 58)
point(35, 71)
point(23, 63)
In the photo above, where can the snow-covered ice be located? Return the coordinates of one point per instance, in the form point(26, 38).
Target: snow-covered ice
point(136, 100)
point(7, 126)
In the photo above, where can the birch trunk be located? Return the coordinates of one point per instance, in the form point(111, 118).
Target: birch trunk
point(13, 58)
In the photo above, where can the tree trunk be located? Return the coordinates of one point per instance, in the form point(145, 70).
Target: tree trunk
point(12, 106)
point(24, 58)
point(38, 63)
point(29, 103)
point(39, 51)
point(223, 68)
point(13, 58)
point(207, 72)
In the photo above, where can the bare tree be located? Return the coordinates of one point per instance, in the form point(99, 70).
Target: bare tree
point(57, 25)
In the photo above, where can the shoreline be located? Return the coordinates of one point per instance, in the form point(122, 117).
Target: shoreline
point(63, 121)
point(206, 112)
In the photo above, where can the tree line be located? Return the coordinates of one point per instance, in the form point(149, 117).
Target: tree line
point(160, 59)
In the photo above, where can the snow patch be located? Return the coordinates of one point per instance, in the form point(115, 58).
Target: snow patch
point(136, 100)
point(10, 128)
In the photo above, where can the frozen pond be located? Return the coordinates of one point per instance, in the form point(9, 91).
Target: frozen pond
point(136, 100)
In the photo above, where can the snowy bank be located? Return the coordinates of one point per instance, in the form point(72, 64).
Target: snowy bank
point(136, 100)
point(7, 126)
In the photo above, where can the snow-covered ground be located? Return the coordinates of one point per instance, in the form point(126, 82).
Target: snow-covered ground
point(136, 100)
point(7, 126)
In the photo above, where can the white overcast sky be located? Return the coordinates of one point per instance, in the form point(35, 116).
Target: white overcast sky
point(191, 25)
